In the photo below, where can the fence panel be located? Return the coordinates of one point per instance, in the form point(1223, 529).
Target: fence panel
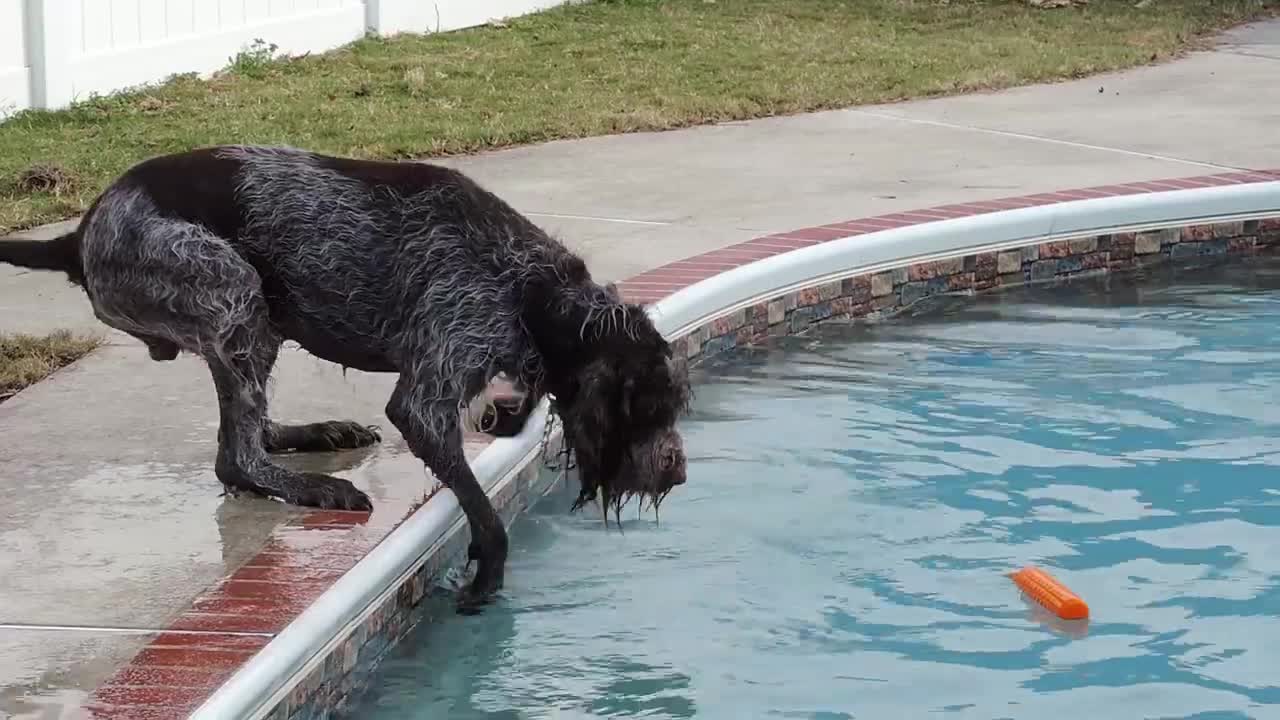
point(116, 44)
point(55, 52)
point(15, 70)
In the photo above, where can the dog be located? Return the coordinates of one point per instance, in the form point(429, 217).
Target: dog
point(411, 268)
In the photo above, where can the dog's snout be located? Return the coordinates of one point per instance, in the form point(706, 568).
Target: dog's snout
point(678, 469)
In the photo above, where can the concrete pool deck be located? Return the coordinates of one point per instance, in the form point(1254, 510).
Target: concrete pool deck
point(116, 539)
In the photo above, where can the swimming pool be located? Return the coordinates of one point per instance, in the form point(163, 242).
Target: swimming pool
point(856, 496)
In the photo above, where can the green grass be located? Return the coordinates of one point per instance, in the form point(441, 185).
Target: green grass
point(609, 66)
point(27, 359)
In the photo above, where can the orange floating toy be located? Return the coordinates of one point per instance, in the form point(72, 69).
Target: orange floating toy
point(1053, 595)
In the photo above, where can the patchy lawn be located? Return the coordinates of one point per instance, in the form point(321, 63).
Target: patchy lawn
point(27, 359)
point(607, 66)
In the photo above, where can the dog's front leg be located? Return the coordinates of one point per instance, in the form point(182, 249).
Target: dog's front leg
point(434, 434)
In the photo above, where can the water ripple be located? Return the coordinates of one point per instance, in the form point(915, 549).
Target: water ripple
point(856, 497)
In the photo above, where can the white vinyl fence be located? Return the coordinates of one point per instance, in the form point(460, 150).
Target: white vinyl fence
point(55, 52)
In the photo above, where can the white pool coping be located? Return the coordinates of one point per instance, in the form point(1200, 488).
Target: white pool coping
point(876, 251)
point(262, 682)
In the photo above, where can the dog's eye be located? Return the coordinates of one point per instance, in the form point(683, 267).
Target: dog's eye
point(668, 460)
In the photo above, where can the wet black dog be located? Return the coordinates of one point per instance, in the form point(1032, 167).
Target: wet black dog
point(407, 268)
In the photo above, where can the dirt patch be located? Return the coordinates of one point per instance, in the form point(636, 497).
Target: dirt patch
point(50, 179)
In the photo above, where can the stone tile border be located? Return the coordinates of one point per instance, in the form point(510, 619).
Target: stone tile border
point(877, 295)
point(231, 622)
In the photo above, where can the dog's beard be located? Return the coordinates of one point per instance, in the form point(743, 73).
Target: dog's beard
point(612, 501)
point(655, 502)
point(611, 471)
point(595, 488)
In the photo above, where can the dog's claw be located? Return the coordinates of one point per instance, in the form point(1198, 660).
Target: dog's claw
point(228, 491)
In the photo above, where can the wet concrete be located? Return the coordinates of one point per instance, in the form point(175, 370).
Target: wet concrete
point(128, 444)
point(48, 674)
point(113, 518)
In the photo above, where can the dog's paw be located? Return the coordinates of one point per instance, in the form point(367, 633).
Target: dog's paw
point(473, 598)
point(486, 584)
point(348, 435)
point(330, 493)
point(320, 437)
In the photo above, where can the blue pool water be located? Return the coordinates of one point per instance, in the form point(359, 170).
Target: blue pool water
point(856, 497)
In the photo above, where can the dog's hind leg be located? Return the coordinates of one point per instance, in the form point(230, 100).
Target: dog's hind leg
point(175, 284)
point(242, 465)
point(433, 432)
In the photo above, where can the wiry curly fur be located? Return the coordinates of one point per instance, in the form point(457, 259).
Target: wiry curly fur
point(408, 268)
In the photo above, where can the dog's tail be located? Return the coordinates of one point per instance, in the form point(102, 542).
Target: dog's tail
point(61, 254)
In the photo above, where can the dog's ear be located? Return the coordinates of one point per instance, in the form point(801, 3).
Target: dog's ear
point(570, 313)
point(591, 430)
point(656, 392)
point(603, 318)
point(628, 397)
point(593, 404)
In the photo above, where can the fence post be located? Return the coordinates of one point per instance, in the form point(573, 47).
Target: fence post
point(388, 17)
point(373, 18)
point(50, 31)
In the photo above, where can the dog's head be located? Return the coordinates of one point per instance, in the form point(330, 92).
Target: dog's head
point(621, 408)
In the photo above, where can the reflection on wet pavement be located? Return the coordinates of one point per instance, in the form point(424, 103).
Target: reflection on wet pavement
point(116, 521)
